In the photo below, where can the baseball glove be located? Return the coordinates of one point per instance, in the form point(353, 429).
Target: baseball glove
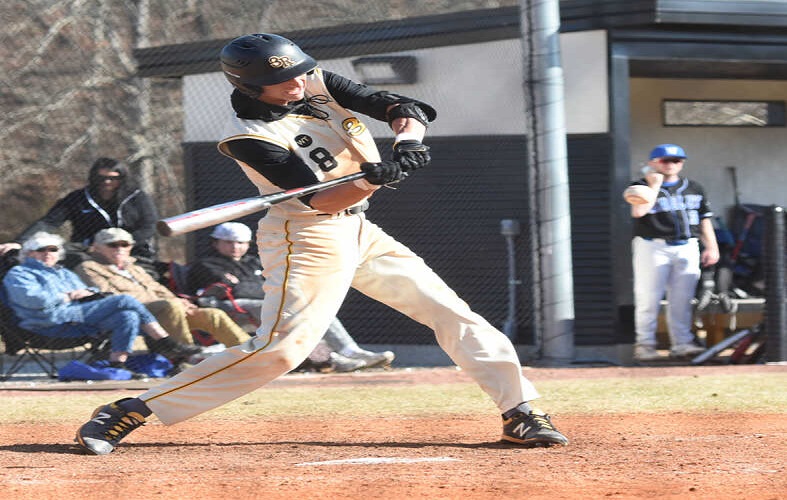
point(639, 194)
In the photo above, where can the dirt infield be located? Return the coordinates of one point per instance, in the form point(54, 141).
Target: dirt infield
point(676, 455)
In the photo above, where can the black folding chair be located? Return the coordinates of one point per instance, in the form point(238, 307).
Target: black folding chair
point(49, 353)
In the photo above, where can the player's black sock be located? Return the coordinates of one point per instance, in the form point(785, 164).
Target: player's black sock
point(520, 408)
point(136, 405)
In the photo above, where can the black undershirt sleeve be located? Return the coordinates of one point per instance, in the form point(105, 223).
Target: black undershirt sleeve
point(367, 100)
point(359, 97)
point(275, 163)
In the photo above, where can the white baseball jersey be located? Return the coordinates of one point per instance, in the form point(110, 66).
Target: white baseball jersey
point(331, 147)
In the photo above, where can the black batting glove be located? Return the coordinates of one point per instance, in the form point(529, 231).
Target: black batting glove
point(411, 154)
point(384, 172)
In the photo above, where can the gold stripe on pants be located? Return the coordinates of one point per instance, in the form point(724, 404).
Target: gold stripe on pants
point(309, 265)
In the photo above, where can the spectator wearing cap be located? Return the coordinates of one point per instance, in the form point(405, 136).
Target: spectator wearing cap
point(666, 253)
point(112, 269)
point(53, 301)
point(231, 265)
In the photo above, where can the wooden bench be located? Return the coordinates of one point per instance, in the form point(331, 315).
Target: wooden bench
point(716, 322)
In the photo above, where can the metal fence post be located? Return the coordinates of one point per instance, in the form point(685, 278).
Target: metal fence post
point(775, 260)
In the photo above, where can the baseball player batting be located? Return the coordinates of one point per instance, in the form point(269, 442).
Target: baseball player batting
point(295, 125)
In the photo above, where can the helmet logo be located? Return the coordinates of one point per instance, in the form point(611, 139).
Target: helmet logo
point(281, 62)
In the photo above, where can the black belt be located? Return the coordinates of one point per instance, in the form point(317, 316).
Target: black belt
point(672, 243)
point(352, 210)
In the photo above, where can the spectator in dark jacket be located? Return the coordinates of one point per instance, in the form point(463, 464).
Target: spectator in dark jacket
point(241, 273)
point(229, 263)
point(111, 199)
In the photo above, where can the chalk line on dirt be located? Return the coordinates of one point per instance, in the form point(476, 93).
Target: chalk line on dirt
point(381, 460)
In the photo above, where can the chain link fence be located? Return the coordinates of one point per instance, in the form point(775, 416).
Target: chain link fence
point(72, 93)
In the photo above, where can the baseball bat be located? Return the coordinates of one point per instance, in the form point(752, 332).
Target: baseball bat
point(717, 348)
point(223, 212)
point(735, 190)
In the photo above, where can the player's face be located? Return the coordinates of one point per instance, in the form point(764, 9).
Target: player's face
point(284, 93)
point(232, 249)
point(669, 166)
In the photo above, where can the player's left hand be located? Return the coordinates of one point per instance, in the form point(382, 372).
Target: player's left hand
point(411, 154)
point(383, 172)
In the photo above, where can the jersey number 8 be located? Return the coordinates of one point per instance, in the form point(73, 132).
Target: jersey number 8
point(323, 158)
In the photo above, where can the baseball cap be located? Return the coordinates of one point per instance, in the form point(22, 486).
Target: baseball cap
point(41, 240)
point(672, 150)
point(232, 231)
point(111, 235)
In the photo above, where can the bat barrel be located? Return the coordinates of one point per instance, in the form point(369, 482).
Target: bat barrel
point(199, 219)
point(216, 214)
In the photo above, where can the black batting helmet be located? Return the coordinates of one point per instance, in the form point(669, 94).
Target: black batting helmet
point(251, 61)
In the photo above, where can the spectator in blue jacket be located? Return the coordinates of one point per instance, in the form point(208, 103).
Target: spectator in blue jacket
point(53, 301)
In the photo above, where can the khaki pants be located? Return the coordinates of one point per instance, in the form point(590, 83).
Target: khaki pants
point(177, 322)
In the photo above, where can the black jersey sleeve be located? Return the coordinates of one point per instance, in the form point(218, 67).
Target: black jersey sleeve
point(273, 162)
point(367, 100)
point(144, 229)
point(55, 217)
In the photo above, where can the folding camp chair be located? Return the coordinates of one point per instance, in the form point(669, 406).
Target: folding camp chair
point(49, 353)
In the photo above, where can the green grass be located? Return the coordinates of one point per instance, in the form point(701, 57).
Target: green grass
point(764, 393)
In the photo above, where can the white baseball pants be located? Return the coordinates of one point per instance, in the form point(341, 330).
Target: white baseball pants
point(309, 265)
point(659, 269)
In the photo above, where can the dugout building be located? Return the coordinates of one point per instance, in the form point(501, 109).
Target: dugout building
point(710, 75)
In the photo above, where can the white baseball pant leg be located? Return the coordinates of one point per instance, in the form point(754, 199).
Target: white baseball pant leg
point(651, 272)
point(308, 267)
point(681, 289)
point(392, 274)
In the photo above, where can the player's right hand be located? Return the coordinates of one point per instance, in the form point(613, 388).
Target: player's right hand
point(654, 179)
point(383, 172)
point(411, 154)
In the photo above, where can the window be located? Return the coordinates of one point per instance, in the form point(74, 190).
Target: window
point(382, 70)
point(685, 113)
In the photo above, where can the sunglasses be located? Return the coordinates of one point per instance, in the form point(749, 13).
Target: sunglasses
point(109, 177)
point(670, 160)
point(119, 244)
point(48, 249)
